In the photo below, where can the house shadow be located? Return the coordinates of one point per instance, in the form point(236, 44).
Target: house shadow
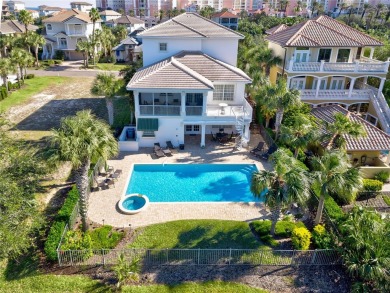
point(49, 115)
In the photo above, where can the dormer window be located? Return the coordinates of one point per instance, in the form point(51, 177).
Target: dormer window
point(49, 27)
point(163, 47)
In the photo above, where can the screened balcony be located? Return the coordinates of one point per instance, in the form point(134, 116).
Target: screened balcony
point(159, 104)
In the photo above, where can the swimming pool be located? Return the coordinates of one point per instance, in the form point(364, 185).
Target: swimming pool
point(193, 182)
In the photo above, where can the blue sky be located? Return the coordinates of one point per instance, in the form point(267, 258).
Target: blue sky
point(58, 3)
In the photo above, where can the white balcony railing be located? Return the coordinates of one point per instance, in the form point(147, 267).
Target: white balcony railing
point(164, 110)
point(365, 65)
point(194, 110)
point(364, 94)
point(244, 110)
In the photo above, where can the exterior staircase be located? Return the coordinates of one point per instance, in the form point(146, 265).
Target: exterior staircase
point(240, 129)
point(382, 108)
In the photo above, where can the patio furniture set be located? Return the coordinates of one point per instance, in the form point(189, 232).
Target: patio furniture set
point(106, 178)
point(160, 152)
point(260, 151)
point(222, 137)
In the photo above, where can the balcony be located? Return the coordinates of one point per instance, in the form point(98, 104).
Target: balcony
point(194, 110)
point(364, 65)
point(230, 111)
point(163, 110)
point(356, 94)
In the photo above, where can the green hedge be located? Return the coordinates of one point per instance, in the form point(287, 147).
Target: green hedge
point(262, 228)
point(284, 228)
point(3, 93)
point(333, 209)
point(372, 185)
point(382, 176)
point(105, 238)
point(58, 226)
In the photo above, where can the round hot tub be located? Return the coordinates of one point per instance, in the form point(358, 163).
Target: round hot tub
point(133, 203)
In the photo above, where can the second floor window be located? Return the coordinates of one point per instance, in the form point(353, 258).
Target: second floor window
point(63, 42)
point(343, 55)
point(223, 92)
point(163, 47)
point(49, 27)
point(324, 54)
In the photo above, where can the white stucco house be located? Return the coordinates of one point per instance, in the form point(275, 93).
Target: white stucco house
point(128, 50)
point(189, 84)
point(131, 23)
point(64, 30)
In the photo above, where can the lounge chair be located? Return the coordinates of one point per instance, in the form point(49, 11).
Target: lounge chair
point(159, 153)
point(170, 145)
point(268, 153)
point(259, 148)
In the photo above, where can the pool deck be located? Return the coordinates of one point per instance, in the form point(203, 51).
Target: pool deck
point(103, 204)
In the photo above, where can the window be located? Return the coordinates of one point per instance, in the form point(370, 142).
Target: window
point(196, 128)
point(193, 99)
point(148, 134)
point(223, 92)
point(188, 127)
point(324, 54)
point(163, 47)
point(49, 27)
point(63, 42)
point(343, 55)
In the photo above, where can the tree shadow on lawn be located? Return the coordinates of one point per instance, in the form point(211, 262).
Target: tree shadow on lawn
point(49, 115)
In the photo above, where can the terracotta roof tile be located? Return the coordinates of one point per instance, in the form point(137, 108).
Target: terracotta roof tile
point(126, 19)
point(276, 29)
point(66, 15)
point(226, 14)
point(376, 139)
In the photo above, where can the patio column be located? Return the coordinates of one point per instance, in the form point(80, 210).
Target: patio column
point(203, 136)
point(351, 85)
point(372, 52)
point(318, 87)
point(246, 132)
point(204, 105)
point(183, 104)
point(288, 82)
point(382, 84)
point(136, 103)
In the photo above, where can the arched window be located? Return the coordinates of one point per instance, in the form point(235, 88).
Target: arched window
point(49, 28)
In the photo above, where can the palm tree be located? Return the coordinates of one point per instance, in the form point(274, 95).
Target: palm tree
point(26, 18)
point(22, 59)
point(299, 134)
point(298, 7)
point(280, 98)
point(379, 8)
point(107, 85)
point(342, 126)
point(85, 47)
point(207, 11)
point(6, 67)
point(175, 12)
point(141, 12)
point(268, 59)
point(314, 7)
point(365, 7)
point(287, 183)
point(94, 16)
point(160, 14)
point(333, 174)
point(36, 41)
point(81, 139)
point(131, 12)
point(169, 13)
point(5, 44)
point(342, 7)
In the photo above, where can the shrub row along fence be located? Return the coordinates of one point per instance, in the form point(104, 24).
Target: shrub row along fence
point(200, 257)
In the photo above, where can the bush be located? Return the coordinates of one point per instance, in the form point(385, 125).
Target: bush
point(58, 62)
point(67, 208)
point(29, 76)
point(333, 209)
point(105, 238)
point(372, 185)
point(53, 239)
point(321, 237)
point(50, 62)
point(284, 228)
point(301, 238)
point(3, 93)
point(382, 176)
point(60, 55)
point(262, 228)
point(268, 239)
point(76, 240)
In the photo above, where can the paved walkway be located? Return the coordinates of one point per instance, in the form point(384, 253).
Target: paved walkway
point(103, 204)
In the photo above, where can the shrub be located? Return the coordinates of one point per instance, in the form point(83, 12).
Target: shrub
point(58, 62)
point(333, 209)
point(262, 228)
point(267, 239)
point(3, 93)
point(372, 185)
point(321, 237)
point(67, 208)
point(382, 176)
point(60, 55)
point(284, 228)
point(53, 239)
point(301, 238)
point(76, 240)
point(29, 76)
point(105, 238)
point(50, 62)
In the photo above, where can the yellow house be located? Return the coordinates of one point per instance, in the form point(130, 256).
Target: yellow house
point(371, 152)
point(323, 58)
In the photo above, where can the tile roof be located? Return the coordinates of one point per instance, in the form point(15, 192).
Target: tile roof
point(276, 29)
point(190, 25)
point(110, 12)
point(15, 27)
point(224, 14)
point(66, 15)
point(129, 41)
point(126, 19)
point(81, 3)
point(320, 32)
point(376, 139)
point(186, 70)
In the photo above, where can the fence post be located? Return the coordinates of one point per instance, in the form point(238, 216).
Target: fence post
point(261, 257)
point(58, 257)
point(292, 258)
point(103, 259)
point(198, 256)
point(71, 257)
point(314, 257)
point(230, 255)
point(167, 255)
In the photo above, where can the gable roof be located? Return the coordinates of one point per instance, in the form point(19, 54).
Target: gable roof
point(15, 27)
point(376, 139)
point(110, 13)
point(322, 31)
point(187, 69)
point(276, 29)
point(66, 15)
point(81, 3)
point(190, 25)
point(126, 19)
point(50, 8)
point(224, 14)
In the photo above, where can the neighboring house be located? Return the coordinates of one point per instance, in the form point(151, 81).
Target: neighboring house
point(49, 10)
point(14, 27)
point(64, 30)
point(370, 153)
point(107, 15)
point(15, 6)
point(81, 6)
point(129, 50)
point(4, 10)
point(131, 23)
point(324, 59)
point(189, 84)
point(227, 19)
point(34, 13)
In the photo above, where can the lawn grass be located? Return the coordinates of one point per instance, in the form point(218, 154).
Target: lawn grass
point(121, 112)
point(31, 87)
point(110, 66)
point(197, 234)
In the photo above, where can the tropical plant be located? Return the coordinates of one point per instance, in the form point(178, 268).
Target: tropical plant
point(94, 16)
point(342, 7)
point(341, 127)
point(22, 59)
point(107, 85)
point(26, 18)
point(34, 40)
point(131, 12)
point(333, 174)
point(207, 11)
point(300, 238)
point(127, 270)
point(268, 59)
point(365, 252)
point(365, 7)
point(160, 14)
point(6, 67)
point(289, 182)
point(299, 134)
point(80, 139)
point(85, 47)
point(5, 44)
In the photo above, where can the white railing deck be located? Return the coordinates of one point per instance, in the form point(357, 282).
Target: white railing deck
point(357, 94)
point(230, 110)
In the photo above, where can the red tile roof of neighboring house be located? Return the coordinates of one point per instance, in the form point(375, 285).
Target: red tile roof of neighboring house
point(276, 29)
point(376, 139)
point(65, 15)
point(225, 14)
point(322, 31)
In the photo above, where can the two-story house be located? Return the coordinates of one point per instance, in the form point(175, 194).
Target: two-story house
point(64, 30)
point(325, 60)
point(227, 19)
point(81, 6)
point(131, 23)
point(107, 15)
point(129, 50)
point(45, 10)
point(189, 84)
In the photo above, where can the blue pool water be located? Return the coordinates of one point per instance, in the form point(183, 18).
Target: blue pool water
point(133, 203)
point(193, 182)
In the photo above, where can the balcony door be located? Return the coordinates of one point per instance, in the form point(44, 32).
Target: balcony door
point(343, 55)
point(322, 84)
point(337, 83)
point(192, 129)
point(301, 54)
point(298, 83)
